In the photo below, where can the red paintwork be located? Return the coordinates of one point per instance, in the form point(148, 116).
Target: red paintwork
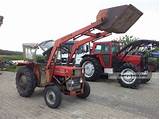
point(93, 37)
point(101, 60)
point(100, 55)
point(25, 63)
point(68, 37)
point(134, 59)
point(50, 68)
point(65, 71)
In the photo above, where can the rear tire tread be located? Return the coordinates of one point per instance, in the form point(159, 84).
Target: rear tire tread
point(31, 81)
point(135, 84)
point(97, 66)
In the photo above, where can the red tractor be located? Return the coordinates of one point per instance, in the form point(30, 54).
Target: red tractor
point(130, 63)
point(48, 70)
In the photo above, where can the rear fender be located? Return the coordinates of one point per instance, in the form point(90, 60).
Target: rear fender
point(34, 67)
point(133, 59)
point(94, 56)
point(26, 64)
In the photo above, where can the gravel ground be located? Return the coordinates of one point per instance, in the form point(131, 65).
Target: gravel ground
point(107, 101)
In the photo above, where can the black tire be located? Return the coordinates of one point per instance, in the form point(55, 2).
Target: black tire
point(97, 68)
point(86, 91)
point(52, 96)
point(148, 78)
point(133, 82)
point(25, 81)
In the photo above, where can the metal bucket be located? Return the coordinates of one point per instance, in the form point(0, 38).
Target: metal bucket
point(1, 20)
point(118, 19)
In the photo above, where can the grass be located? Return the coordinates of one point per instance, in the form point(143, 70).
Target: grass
point(11, 57)
point(11, 68)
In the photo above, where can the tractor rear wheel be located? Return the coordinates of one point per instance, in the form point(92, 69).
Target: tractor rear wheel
point(25, 81)
point(92, 68)
point(128, 76)
point(86, 91)
point(52, 96)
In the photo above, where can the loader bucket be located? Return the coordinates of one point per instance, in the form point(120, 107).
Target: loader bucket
point(1, 20)
point(118, 19)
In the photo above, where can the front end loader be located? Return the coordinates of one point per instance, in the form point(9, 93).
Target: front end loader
point(48, 71)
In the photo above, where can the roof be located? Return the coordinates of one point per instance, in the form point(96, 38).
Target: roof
point(30, 45)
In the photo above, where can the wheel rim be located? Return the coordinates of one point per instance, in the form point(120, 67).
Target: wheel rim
point(50, 97)
point(128, 76)
point(89, 69)
point(23, 82)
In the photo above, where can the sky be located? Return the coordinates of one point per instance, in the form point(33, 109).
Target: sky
point(27, 21)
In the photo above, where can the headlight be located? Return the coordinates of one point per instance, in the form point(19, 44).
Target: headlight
point(81, 80)
point(73, 84)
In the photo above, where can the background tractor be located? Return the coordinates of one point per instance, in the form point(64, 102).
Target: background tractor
point(130, 63)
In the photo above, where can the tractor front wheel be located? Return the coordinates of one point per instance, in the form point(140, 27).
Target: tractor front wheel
point(52, 96)
point(86, 90)
point(147, 78)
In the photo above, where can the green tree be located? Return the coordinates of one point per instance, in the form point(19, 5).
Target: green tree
point(125, 40)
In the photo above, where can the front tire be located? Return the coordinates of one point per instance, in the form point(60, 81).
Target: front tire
point(52, 96)
point(128, 76)
point(86, 91)
point(92, 68)
point(25, 81)
point(148, 77)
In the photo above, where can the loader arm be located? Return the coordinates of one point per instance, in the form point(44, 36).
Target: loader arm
point(68, 37)
point(92, 37)
point(116, 19)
